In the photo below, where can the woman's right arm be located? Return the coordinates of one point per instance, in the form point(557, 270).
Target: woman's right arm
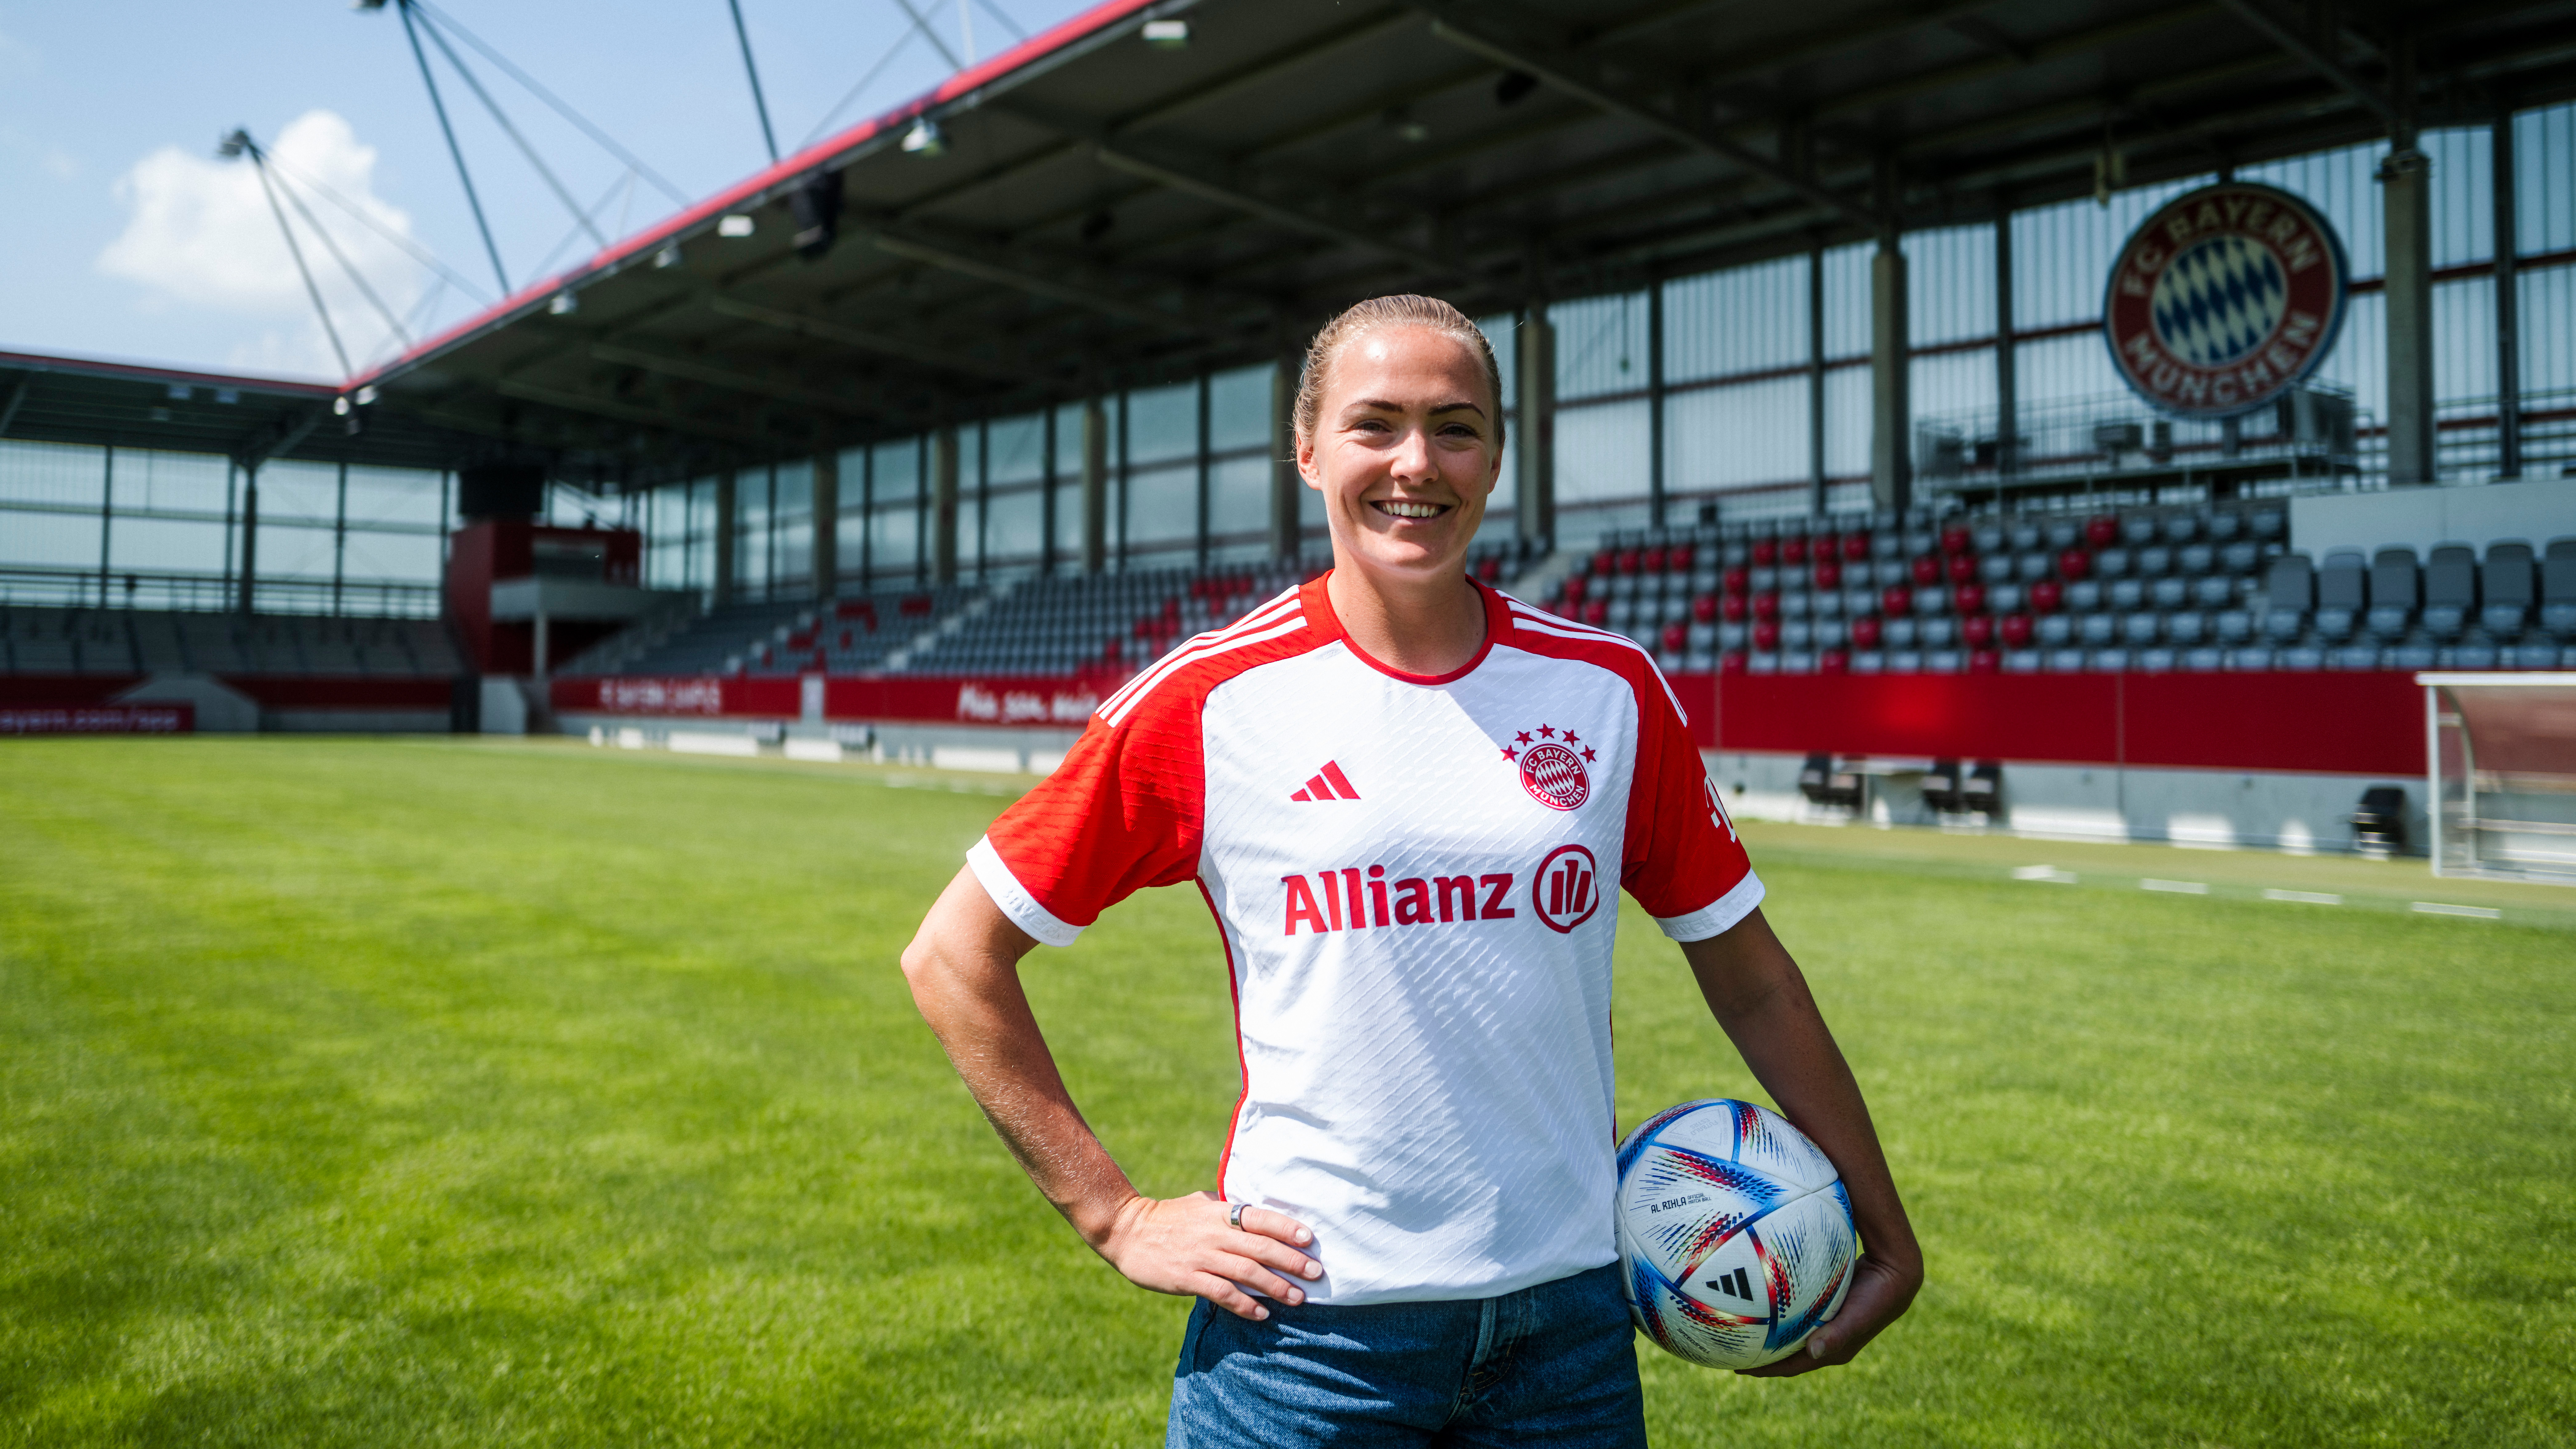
point(963, 966)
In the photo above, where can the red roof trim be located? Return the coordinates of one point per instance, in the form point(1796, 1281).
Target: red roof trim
point(1089, 22)
point(142, 372)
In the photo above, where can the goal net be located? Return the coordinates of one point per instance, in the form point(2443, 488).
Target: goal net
point(2501, 774)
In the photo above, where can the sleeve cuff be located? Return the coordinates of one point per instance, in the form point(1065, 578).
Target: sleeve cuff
point(1015, 900)
point(1714, 919)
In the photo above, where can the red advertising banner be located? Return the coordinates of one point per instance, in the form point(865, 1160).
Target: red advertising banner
point(2360, 724)
point(98, 719)
point(691, 695)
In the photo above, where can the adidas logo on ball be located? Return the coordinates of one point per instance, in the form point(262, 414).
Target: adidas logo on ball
point(1735, 1235)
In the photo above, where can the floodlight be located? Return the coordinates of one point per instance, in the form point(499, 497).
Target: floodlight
point(181, 392)
point(667, 257)
point(1167, 34)
point(563, 304)
point(737, 224)
point(340, 406)
point(925, 138)
point(367, 395)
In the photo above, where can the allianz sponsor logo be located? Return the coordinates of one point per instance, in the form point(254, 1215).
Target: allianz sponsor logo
point(1359, 898)
point(1023, 706)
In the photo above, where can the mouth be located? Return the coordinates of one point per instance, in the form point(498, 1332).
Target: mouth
point(1409, 508)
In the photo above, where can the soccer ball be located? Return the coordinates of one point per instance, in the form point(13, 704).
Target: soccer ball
point(1735, 1235)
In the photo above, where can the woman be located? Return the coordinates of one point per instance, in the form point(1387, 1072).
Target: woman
point(1404, 796)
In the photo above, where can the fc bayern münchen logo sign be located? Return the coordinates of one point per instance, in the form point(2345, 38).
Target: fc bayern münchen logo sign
point(2225, 299)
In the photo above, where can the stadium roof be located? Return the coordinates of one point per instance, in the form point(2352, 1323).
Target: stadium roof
point(249, 419)
point(1091, 210)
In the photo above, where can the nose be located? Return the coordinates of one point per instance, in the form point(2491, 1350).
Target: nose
point(1411, 462)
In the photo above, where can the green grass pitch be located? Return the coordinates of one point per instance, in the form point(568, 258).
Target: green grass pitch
point(440, 1092)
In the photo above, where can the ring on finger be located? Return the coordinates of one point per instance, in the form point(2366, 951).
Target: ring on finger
point(1234, 1216)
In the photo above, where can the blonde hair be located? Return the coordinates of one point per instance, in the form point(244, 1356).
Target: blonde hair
point(1403, 310)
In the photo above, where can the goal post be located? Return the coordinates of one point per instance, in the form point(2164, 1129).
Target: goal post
point(2500, 774)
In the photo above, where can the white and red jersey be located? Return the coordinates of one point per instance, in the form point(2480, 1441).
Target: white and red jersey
point(1413, 877)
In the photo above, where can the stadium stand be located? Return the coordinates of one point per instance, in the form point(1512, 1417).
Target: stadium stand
point(1062, 625)
point(2211, 587)
point(55, 641)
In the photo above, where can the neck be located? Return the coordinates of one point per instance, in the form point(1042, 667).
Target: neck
point(1428, 626)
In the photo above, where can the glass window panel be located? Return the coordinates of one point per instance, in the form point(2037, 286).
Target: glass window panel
point(2062, 254)
point(2065, 369)
point(48, 540)
point(1015, 449)
point(1847, 422)
point(1847, 300)
point(392, 557)
point(388, 495)
point(1239, 497)
point(50, 473)
point(1600, 345)
point(1239, 408)
point(1743, 319)
point(894, 538)
point(1949, 284)
point(2344, 185)
point(186, 482)
point(1602, 452)
point(1163, 505)
point(164, 546)
point(1014, 525)
point(293, 551)
point(307, 492)
point(1163, 423)
point(1731, 437)
point(2544, 167)
point(2548, 353)
point(796, 489)
point(1948, 384)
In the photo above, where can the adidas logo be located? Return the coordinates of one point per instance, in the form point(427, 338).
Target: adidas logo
point(1733, 1285)
point(1329, 784)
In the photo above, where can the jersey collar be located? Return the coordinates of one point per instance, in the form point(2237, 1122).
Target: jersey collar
point(1316, 601)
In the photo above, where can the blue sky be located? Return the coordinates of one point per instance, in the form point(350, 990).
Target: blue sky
point(126, 237)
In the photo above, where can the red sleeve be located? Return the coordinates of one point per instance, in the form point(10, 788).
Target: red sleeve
point(1121, 813)
point(1683, 863)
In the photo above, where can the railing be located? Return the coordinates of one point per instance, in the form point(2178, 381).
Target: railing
point(213, 593)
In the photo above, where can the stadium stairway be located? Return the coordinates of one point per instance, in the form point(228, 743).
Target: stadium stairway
point(2156, 589)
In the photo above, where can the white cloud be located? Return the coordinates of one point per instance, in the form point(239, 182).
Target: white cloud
point(200, 232)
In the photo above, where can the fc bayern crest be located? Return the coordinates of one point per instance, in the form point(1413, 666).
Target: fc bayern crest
point(1551, 770)
point(2225, 299)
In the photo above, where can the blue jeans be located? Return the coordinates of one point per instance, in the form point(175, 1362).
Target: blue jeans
point(1555, 1364)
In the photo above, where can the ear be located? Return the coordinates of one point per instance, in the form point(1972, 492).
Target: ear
point(1306, 465)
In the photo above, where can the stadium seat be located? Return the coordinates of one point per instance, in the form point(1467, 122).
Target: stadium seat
point(2112, 563)
point(2538, 656)
point(2083, 596)
point(2140, 629)
point(1868, 661)
point(2342, 591)
point(2137, 530)
point(2269, 525)
point(2170, 593)
point(2156, 661)
point(2290, 590)
point(2204, 661)
point(2250, 661)
point(1945, 661)
point(2004, 598)
point(2107, 661)
point(2558, 588)
point(2056, 630)
point(2099, 630)
point(1905, 661)
point(2195, 559)
point(2396, 587)
point(2467, 656)
point(2302, 657)
point(2354, 656)
point(2225, 527)
point(2450, 591)
point(2509, 587)
point(2065, 661)
point(2022, 661)
point(2154, 561)
point(1897, 633)
point(2240, 557)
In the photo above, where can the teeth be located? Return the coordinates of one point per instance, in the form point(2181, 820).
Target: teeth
point(1411, 510)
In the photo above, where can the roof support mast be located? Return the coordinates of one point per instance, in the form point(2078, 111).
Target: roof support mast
point(758, 102)
point(436, 103)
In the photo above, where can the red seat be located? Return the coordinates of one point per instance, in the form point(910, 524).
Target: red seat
point(1896, 599)
point(2016, 631)
point(1976, 630)
point(2102, 530)
point(1731, 662)
point(1793, 553)
point(2074, 564)
point(1954, 540)
point(1735, 607)
point(1766, 607)
point(1828, 574)
point(1654, 561)
point(1865, 633)
point(1676, 637)
point(1704, 608)
point(1766, 552)
point(1738, 579)
point(1679, 560)
point(1833, 661)
point(1766, 636)
point(1963, 568)
point(1984, 661)
point(2045, 596)
point(1969, 598)
point(1927, 570)
point(1855, 547)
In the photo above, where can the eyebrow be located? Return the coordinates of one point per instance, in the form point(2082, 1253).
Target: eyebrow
point(1383, 405)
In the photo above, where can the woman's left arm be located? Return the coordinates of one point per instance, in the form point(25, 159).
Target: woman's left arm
point(1761, 1000)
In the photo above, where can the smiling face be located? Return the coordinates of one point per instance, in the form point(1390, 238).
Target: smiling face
point(1405, 449)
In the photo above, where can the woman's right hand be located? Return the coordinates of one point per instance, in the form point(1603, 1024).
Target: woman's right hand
point(1185, 1245)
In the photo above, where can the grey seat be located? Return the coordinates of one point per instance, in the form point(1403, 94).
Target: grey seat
point(2234, 626)
point(2111, 563)
point(2154, 562)
point(2033, 567)
point(2305, 658)
point(2099, 630)
point(2217, 591)
point(2138, 529)
point(2155, 661)
point(1988, 537)
point(2186, 629)
point(2107, 661)
point(2056, 630)
point(2226, 527)
point(1899, 634)
point(2125, 594)
point(2170, 594)
point(2269, 525)
point(2025, 537)
point(2204, 661)
point(2396, 591)
point(2065, 661)
point(2181, 528)
point(2290, 590)
point(2063, 534)
point(2558, 588)
point(2534, 656)
point(2022, 661)
point(2342, 592)
point(2195, 559)
point(2249, 661)
point(1938, 632)
point(2510, 586)
point(2084, 596)
point(2413, 656)
point(2355, 656)
point(2467, 656)
point(2004, 598)
point(1995, 568)
point(2450, 590)
point(2240, 557)
point(2140, 629)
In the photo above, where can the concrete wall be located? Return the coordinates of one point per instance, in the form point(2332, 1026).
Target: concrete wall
point(2302, 813)
point(2477, 515)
